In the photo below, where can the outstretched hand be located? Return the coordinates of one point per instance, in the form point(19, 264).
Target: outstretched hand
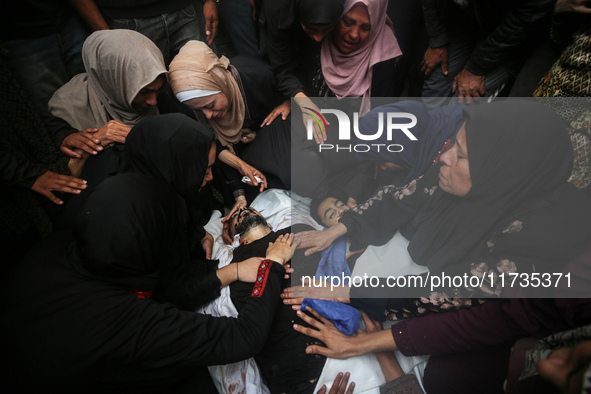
point(49, 182)
point(240, 203)
point(338, 345)
point(295, 295)
point(469, 87)
point(252, 173)
point(434, 57)
point(113, 131)
point(280, 250)
point(210, 13)
point(317, 241)
point(310, 112)
point(85, 140)
point(283, 109)
point(339, 385)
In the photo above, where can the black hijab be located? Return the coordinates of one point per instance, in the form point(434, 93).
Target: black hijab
point(520, 158)
point(130, 232)
point(175, 149)
point(171, 147)
point(309, 11)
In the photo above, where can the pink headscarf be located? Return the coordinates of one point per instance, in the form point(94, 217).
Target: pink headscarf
point(351, 75)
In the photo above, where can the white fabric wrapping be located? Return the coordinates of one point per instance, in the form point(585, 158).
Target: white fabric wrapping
point(280, 208)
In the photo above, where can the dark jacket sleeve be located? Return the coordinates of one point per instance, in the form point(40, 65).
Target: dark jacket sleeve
point(191, 286)
point(518, 26)
point(516, 260)
point(434, 14)
point(406, 384)
point(18, 171)
point(233, 180)
point(490, 324)
point(232, 176)
point(281, 52)
point(178, 339)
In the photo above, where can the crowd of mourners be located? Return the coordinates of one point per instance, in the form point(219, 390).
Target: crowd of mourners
point(126, 124)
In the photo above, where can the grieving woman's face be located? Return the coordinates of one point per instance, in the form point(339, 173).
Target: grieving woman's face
point(330, 211)
point(352, 30)
point(454, 175)
point(147, 96)
point(214, 106)
point(566, 367)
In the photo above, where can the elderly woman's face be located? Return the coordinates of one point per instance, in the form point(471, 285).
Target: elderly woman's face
point(352, 30)
point(214, 106)
point(454, 175)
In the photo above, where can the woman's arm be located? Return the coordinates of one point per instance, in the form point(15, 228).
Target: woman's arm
point(174, 338)
point(244, 168)
point(489, 324)
point(375, 221)
point(318, 240)
point(339, 345)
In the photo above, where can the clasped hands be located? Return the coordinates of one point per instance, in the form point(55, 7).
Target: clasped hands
point(94, 140)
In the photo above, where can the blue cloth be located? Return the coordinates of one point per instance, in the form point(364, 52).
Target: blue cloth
point(333, 260)
point(344, 317)
point(433, 128)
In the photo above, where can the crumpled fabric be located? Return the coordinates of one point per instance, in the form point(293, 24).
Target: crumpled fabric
point(333, 261)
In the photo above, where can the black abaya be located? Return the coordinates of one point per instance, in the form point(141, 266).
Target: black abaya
point(78, 316)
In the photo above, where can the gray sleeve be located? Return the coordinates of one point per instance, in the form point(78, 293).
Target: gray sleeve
point(406, 384)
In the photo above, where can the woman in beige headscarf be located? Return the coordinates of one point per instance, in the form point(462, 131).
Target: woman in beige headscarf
point(125, 71)
point(199, 77)
point(233, 100)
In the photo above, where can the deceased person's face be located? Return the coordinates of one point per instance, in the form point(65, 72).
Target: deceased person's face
point(245, 219)
point(330, 211)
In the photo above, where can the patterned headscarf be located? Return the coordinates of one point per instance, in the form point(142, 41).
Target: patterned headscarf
point(519, 156)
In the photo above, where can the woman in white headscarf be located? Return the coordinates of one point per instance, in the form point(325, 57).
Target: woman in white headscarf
point(125, 71)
